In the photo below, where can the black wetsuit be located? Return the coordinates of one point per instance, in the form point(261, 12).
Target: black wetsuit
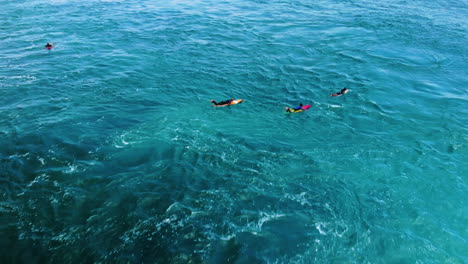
point(343, 91)
point(223, 102)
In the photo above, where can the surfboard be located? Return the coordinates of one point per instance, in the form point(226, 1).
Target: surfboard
point(238, 101)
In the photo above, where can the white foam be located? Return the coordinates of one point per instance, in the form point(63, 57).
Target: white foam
point(71, 168)
point(319, 227)
point(267, 217)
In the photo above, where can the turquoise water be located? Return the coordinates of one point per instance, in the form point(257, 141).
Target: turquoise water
point(110, 151)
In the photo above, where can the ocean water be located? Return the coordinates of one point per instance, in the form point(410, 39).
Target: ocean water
point(110, 151)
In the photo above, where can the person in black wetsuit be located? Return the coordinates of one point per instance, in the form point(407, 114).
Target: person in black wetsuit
point(48, 46)
point(223, 102)
point(343, 91)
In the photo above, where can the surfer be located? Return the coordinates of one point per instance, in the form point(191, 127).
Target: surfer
point(223, 102)
point(343, 91)
point(294, 109)
point(48, 46)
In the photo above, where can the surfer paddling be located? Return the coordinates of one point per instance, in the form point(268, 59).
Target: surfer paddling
point(343, 91)
point(226, 102)
point(297, 109)
point(294, 109)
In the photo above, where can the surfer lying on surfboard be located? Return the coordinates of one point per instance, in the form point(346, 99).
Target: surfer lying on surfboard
point(343, 91)
point(223, 102)
point(296, 109)
point(227, 102)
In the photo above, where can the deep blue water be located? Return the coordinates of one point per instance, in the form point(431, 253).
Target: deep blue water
point(110, 151)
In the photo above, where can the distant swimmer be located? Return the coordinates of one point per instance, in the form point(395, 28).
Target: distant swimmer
point(49, 46)
point(227, 102)
point(297, 109)
point(343, 91)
